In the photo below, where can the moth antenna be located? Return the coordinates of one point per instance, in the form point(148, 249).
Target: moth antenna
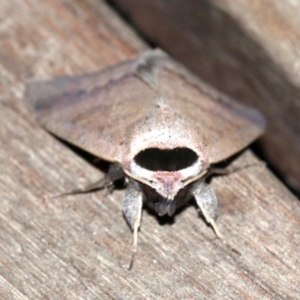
point(212, 223)
point(132, 209)
point(219, 235)
point(131, 262)
point(134, 246)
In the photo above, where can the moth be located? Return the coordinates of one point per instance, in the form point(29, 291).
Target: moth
point(159, 126)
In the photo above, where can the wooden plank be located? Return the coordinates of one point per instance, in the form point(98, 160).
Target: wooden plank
point(248, 49)
point(79, 247)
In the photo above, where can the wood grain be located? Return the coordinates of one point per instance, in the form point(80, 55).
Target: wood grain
point(79, 247)
point(247, 49)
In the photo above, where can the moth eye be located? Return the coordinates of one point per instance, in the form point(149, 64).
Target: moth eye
point(155, 159)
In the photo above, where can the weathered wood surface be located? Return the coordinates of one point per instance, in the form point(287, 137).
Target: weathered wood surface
point(248, 49)
point(79, 247)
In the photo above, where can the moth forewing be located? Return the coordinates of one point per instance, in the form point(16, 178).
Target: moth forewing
point(160, 124)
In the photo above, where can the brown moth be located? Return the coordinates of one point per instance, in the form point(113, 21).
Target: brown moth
point(159, 126)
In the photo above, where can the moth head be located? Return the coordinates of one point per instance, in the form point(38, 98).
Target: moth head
point(167, 171)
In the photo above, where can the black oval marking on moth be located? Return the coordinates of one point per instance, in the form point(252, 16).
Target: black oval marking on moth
point(170, 160)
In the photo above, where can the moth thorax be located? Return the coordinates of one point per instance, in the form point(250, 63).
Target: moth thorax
point(166, 168)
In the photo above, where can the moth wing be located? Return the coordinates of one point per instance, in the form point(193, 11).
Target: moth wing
point(98, 112)
point(94, 112)
point(223, 125)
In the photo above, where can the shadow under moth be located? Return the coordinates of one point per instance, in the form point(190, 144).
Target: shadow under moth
point(158, 125)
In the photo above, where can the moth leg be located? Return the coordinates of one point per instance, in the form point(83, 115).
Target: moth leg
point(115, 172)
point(132, 209)
point(208, 203)
point(229, 170)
